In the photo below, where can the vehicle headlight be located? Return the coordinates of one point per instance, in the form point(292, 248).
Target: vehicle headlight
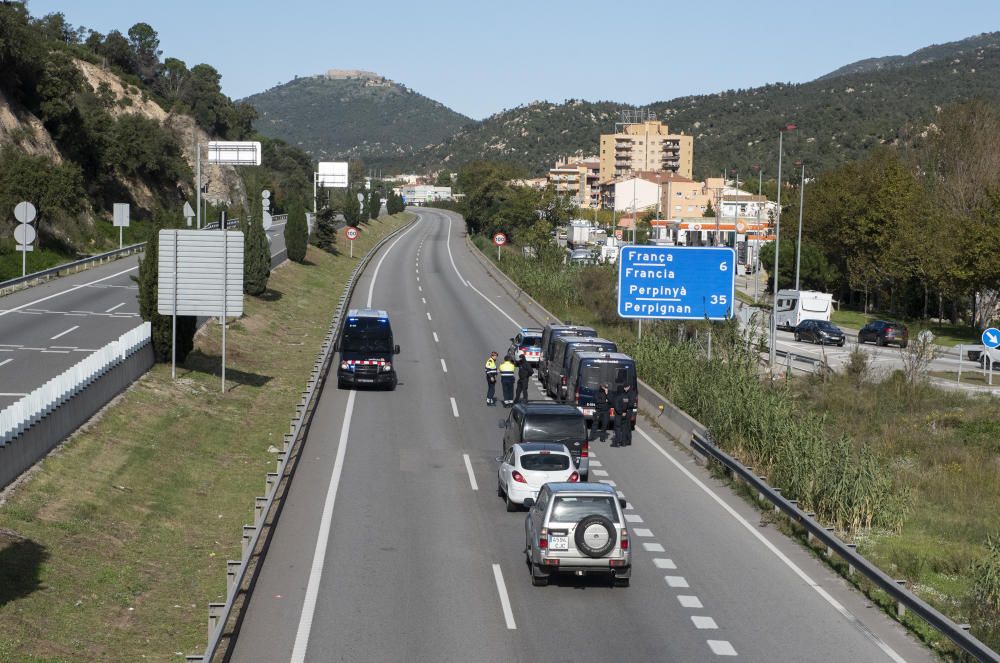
point(386, 366)
point(344, 366)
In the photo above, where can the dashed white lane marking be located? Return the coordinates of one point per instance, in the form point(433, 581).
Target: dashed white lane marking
point(844, 612)
point(444, 366)
point(116, 306)
point(454, 406)
point(643, 532)
point(665, 563)
point(420, 288)
point(633, 518)
point(69, 290)
point(468, 468)
point(688, 601)
point(652, 547)
point(702, 622)
point(721, 648)
point(436, 337)
point(58, 352)
point(599, 473)
point(609, 482)
point(418, 271)
point(11, 393)
point(423, 299)
point(676, 581)
point(6, 361)
point(61, 334)
point(418, 279)
point(595, 463)
point(508, 614)
point(429, 315)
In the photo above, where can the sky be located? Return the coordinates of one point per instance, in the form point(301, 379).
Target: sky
point(480, 58)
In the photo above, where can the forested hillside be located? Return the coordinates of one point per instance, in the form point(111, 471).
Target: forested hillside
point(376, 120)
point(88, 120)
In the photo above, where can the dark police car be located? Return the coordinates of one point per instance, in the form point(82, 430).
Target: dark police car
point(366, 350)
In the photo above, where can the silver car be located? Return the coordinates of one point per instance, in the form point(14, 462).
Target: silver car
point(577, 528)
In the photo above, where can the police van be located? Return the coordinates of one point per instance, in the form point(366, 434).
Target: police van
point(589, 370)
point(528, 342)
point(366, 350)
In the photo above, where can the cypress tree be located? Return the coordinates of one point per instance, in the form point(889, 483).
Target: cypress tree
point(325, 234)
point(374, 203)
point(352, 209)
point(296, 232)
point(256, 252)
point(148, 282)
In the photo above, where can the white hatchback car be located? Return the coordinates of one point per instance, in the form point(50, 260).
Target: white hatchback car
point(528, 466)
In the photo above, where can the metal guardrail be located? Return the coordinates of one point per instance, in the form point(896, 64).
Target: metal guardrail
point(10, 285)
point(905, 599)
point(219, 614)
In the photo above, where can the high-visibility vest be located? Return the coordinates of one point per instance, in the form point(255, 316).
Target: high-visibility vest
point(491, 367)
point(507, 369)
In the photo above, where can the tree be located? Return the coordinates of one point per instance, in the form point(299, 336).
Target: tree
point(296, 232)
point(117, 50)
point(162, 325)
point(256, 253)
point(374, 205)
point(325, 235)
point(709, 210)
point(145, 45)
point(443, 179)
point(352, 209)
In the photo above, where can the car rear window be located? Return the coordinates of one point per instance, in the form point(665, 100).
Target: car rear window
point(531, 340)
point(545, 462)
point(567, 509)
point(593, 374)
point(554, 428)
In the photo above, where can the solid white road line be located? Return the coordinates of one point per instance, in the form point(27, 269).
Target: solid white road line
point(721, 648)
point(6, 361)
point(889, 651)
point(472, 476)
point(61, 334)
point(323, 538)
point(508, 614)
point(444, 366)
point(447, 243)
point(454, 407)
point(676, 581)
point(371, 286)
point(702, 622)
point(436, 337)
point(67, 291)
point(688, 601)
point(12, 394)
point(493, 304)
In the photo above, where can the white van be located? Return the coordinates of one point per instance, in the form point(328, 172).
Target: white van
point(794, 306)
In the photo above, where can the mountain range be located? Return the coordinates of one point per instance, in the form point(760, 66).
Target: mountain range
point(890, 100)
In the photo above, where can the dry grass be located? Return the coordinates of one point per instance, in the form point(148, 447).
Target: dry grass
point(113, 548)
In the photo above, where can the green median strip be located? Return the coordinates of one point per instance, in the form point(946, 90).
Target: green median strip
point(113, 547)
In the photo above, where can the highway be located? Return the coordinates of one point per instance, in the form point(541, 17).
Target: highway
point(47, 328)
point(392, 544)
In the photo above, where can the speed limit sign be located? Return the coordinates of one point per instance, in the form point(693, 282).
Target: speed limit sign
point(499, 239)
point(352, 233)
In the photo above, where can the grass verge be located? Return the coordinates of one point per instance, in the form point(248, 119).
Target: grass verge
point(111, 550)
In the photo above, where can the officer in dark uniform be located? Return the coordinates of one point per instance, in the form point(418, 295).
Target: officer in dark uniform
point(507, 371)
point(624, 401)
point(491, 379)
point(524, 373)
point(602, 414)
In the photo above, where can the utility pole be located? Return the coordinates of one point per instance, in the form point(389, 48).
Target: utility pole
point(798, 243)
point(777, 252)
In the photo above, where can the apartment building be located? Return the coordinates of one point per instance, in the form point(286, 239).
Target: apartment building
point(645, 146)
point(577, 179)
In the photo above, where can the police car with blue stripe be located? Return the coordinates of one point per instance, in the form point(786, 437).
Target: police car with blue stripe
point(528, 342)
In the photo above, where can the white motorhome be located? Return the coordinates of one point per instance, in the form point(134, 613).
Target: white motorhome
point(794, 306)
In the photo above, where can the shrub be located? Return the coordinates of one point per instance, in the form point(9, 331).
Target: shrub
point(296, 232)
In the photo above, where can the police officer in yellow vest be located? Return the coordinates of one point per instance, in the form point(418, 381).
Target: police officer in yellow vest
point(491, 379)
point(507, 372)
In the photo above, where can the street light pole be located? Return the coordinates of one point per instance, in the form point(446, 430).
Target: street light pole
point(777, 252)
point(798, 242)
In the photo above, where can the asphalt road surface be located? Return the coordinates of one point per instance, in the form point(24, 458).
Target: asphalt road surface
point(48, 328)
point(393, 545)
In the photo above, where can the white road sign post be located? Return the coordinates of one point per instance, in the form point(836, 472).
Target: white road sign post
point(227, 153)
point(499, 239)
point(121, 220)
point(352, 234)
point(991, 340)
point(329, 175)
point(188, 213)
point(24, 232)
point(265, 203)
point(200, 274)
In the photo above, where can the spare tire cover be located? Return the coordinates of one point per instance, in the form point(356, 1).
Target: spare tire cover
point(595, 536)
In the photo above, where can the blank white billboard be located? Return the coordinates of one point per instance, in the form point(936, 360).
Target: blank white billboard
point(234, 153)
point(202, 269)
point(332, 174)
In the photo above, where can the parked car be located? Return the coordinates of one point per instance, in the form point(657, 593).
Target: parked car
point(528, 466)
point(579, 529)
point(542, 421)
point(528, 343)
point(820, 331)
point(884, 332)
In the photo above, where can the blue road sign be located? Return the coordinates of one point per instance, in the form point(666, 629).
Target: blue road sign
point(676, 282)
point(991, 337)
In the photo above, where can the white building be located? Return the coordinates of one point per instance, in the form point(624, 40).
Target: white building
point(635, 193)
point(425, 193)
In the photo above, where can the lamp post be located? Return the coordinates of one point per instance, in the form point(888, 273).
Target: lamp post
point(777, 251)
point(802, 199)
point(760, 178)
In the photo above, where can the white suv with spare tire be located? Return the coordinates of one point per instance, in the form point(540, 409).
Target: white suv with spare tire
point(577, 528)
